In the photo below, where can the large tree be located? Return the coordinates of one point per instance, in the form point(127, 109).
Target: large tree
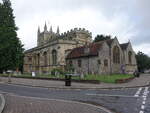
point(11, 49)
point(101, 38)
point(143, 61)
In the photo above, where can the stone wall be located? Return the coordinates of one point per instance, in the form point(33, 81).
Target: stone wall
point(116, 67)
point(42, 68)
point(95, 64)
point(130, 67)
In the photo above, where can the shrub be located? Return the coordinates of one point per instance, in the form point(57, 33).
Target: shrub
point(57, 70)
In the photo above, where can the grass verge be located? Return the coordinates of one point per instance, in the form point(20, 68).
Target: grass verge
point(102, 78)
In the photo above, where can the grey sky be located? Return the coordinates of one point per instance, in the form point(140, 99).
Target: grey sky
point(126, 19)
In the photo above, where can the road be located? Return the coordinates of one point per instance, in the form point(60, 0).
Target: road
point(133, 100)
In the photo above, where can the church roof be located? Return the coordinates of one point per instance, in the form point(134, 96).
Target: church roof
point(124, 46)
point(92, 49)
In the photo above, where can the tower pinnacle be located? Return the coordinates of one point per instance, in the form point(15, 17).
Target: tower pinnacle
point(57, 29)
point(51, 29)
point(45, 27)
point(38, 30)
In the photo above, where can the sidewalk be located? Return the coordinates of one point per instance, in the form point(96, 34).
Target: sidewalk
point(2, 103)
point(143, 80)
point(21, 104)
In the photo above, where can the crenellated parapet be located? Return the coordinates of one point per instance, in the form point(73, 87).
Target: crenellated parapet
point(80, 35)
point(77, 30)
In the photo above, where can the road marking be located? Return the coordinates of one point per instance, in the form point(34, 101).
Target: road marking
point(144, 98)
point(145, 94)
point(107, 95)
point(142, 107)
point(141, 112)
point(138, 92)
point(143, 102)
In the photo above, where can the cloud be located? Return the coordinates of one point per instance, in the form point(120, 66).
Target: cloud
point(128, 20)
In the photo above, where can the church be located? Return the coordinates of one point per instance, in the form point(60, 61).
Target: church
point(75, 49)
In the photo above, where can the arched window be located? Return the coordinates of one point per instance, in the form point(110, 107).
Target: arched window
point(70, 63)
point(130, 57)
point(35, 60)
point(105, 62)
point(116, 55)
point(54, 57)
point(45, 58)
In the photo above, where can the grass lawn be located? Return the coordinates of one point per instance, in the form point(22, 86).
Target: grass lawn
point(107, 78)
point(103, 78)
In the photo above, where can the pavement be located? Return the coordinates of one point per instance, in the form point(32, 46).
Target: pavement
point(143, 80)
point(2, 103)
point(23, 104)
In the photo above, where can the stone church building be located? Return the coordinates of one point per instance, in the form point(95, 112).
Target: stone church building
point(75, 49)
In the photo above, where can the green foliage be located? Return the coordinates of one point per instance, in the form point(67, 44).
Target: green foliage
point(107, 78)
point(143, 61)
point(57, 70)
point(11, 49)
point(101, 38)
point(70, 69)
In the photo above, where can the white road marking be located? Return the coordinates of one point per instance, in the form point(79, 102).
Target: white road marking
point(138, 92)
point(107, 95)
point(143, 102)
point(141, 112)
point(143, 107)
point(145, 94)
point(144, 98)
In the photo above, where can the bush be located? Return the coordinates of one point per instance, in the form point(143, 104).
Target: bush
point(57, 70)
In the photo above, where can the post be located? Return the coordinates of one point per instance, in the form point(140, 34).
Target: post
point(9, 76)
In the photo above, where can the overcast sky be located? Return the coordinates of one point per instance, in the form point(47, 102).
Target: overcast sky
point(126, 19)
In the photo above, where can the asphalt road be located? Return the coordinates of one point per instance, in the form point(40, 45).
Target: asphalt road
point(133, 100)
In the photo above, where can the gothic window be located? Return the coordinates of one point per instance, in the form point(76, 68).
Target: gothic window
point(105, 62)
point(34, 60)
point(130, 57)
point(116, 55)
point(70, 63)
point(79, 63)
point(99, 61)
point(54, 57)
point(29, 59)
point(45, 58)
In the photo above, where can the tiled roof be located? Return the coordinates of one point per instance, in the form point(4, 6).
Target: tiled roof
point(124, 46)
point(92, 49)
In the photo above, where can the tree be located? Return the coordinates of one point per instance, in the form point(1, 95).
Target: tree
point(101, 38)
point(143, 61)
point(11, 49)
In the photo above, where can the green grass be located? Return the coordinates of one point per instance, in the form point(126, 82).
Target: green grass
point(107, 78)
point(103, 78)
